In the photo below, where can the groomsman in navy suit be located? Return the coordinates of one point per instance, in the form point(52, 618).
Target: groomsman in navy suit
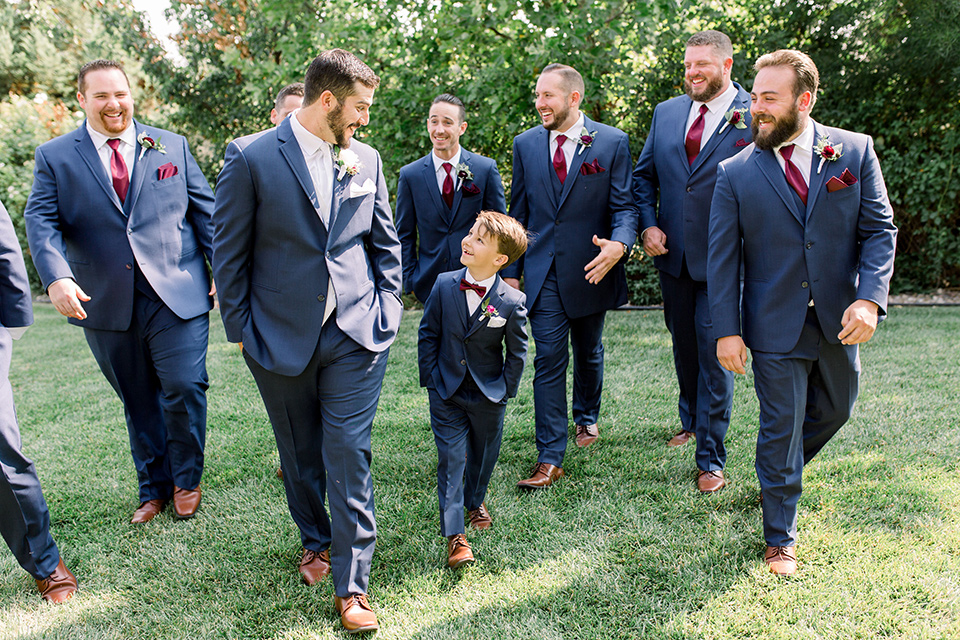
point(289, 99)
point(309, 265)
point(120, 229)
point(673, 185)
point(25, 523)
point(572, 191)
point(439, 196)
point(804, 213)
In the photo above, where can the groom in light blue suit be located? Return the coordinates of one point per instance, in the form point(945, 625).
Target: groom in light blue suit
point(308, 264)
point(804, 213)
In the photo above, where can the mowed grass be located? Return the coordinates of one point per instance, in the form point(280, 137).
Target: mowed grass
point(624, 547)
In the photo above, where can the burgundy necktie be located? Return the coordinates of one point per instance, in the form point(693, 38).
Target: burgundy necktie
point(447, 191)
point(560, 160)
point(118, 171)
point(466, 285)
point(694, 136)
point(794, 177)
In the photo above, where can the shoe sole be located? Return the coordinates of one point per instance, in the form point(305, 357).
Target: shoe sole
point(366, 629)
point(461, 563)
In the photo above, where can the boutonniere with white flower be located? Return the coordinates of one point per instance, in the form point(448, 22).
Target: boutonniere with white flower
point(347, 161)
point(736, 117)
point(463, 173)
point(146, 142)
point(490, 311)
point(827, 151)
point(586, 139)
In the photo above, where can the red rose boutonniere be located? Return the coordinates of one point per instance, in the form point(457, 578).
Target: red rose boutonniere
point(736, 117)
point(827, 151)
point(586, 139)
point(146, 142)
point(463, 173)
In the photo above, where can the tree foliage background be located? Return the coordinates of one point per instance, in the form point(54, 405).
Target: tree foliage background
point(888, 68)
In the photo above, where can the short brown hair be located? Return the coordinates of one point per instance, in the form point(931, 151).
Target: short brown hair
point(510, 235)
point(571, 80)
point(336, 71)
point(97, 65)
point(807, 76)
point(293, 89)
point(710, 38)
point(453, 100)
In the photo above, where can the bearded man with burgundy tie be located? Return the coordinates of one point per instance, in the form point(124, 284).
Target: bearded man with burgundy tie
point(804, 212)
point(572, 191)
point(120, 228)
point(673, 184)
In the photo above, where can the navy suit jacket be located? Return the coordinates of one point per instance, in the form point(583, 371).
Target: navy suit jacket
point(272, 255)
point(674, 195)
point(837, 250)
point(451, 343)
point(78, 229)
point(599, 204)
point(16, 307)
point(421, 210)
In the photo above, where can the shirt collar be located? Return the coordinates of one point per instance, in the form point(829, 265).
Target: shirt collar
point(438, 161)
point(129, 136)
point(721, 102)
point(483, 283)
point(573, 133)
point(309, 143)
point(804, 140)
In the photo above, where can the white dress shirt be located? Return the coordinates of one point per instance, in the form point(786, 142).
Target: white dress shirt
point(570, 144)
point(716, 108)
point(441, 172)
point(127, 148)
point(473, 300)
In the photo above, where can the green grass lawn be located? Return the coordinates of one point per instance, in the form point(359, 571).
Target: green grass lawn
point(624, 547)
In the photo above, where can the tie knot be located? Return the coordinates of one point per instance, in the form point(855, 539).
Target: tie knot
point(113, 143)
point(561, 139)
point(703, 109)
point(447, 167)
point(786, 151)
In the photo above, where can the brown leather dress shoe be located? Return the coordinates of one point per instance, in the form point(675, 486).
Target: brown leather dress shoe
point(543, 476)
point(480, 517)
point(185, 502)
point(587, 434)
point(314, 565)
point(356, 615)
point(682, 438)
point(280, 472)
point(458, 551)
point(710, 481)
point(781, 560)
point(147, 511)
point(59, 586)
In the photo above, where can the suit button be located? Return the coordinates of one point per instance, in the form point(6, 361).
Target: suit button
point(321, 297)
point(556, 222)
point(809, 245)
point(804, 284)
point(128, 266)
point(550, 254)
point(463, 362)
point(689, 189)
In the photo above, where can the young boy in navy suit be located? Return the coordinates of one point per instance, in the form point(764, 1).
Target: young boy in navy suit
point(468, 319)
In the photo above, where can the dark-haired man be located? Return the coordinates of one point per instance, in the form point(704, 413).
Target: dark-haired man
point(804, 212)
point(673, 185)
point(120, 230)
point(288, 100)
point(310, 267)
point(439, 197)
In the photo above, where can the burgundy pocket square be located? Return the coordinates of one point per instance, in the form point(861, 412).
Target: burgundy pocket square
point(741, 143)
point(471, 188)
point(588, 169)
point(167, 171)
point(845, 180)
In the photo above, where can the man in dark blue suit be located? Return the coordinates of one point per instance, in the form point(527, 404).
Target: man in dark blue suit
point(673, 185)
point(25, 523)
point(439, 197)
point(120, 229)
point(308, 263)
point(572, 191)
point(804, 212)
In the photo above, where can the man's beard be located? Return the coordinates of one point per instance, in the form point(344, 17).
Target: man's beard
point(711, 91)
point(783, 128)
point(559, 117)
point(338, 127)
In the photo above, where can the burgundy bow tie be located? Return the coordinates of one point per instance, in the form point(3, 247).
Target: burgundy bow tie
point(466, 285)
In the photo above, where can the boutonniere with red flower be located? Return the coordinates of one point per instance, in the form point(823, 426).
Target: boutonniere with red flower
point(586, 139)
point(146, 142)
point(463, 173)
point(347, 161)
point(735, 117)
point(490, 311)
point(827, 151)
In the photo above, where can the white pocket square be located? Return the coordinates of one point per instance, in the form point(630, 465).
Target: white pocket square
point(362, 189)
point(496, 321)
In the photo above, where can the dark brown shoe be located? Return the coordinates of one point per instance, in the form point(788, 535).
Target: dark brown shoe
point(781, 560)
point(543, 476)
point(356, 615)
point(147, 511)
point(458, 551)
point(314, 565)
point(185, 502)
point(59, 586)
point(480, 517)
point(587, 434)
point(280, 472)
point(681, 438)
point(710, 481)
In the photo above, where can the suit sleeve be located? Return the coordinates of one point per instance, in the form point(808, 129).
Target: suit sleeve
point(16, 309)
point(645, 181)
point(723, 259)
point(233, 228)
point(406, 231)
point(516, 343)
point(200, 203)
point(428, 343)
point(493, 198)
point(876, 233)
point(623, 210)
point(518, 208)
point(42, 217)
point(383, 250)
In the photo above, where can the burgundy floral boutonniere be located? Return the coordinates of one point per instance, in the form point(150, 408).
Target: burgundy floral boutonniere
point(463, 173)
point(827, 151)
point(586, 139)
point(146, 142)
point(735, 117)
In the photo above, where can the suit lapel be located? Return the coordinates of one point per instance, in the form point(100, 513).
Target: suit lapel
point(493, 299)
point(138, 173)
point(290, 149)
point(458, 189)
point(433, 192)
point(739, 101)
point(92, 159)
point(579, 154)
point(541, 149)
point(460, 299)
point(680, 125)
point(817, 180)
point(771, 170)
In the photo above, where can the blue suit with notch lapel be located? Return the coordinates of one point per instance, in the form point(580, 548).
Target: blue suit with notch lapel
point(320, 381)
point(802, 267)
point(563, 220)
point(422, 211)
point(144, 265)
point(470, 368)
point(675, 196)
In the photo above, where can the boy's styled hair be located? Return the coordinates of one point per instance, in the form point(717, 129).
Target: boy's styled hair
point(511, 237)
